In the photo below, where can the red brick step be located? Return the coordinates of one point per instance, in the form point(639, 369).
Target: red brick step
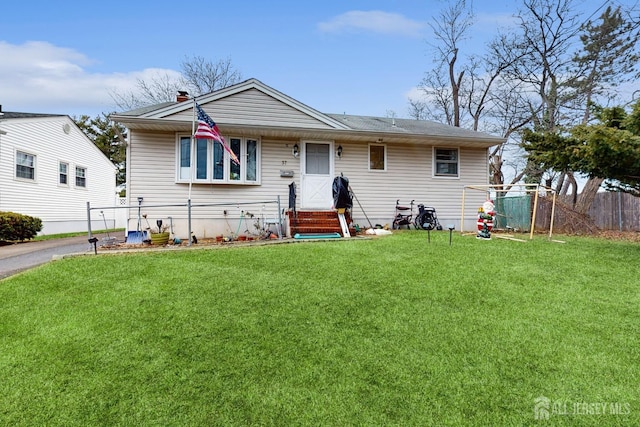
point(305, 222)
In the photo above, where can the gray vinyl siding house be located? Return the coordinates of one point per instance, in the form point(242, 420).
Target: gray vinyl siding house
point(279, 141)
point(49, 169)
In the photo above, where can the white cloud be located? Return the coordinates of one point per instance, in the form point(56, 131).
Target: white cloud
point(414, 94)
point(373, 21)
point(492, 21)
point(41, 56)
point(38, 77)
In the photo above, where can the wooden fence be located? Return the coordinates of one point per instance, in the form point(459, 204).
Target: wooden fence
point(610, 211)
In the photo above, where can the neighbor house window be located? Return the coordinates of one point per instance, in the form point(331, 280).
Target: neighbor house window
point(63, 173)
point(25, 165)
point(446, 162)
point(213, 163)
point(377, 157)
point(81, 177)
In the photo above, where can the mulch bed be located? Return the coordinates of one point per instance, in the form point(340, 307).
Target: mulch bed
point(203, 242)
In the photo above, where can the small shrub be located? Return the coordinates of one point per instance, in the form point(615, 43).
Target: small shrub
point(15, 226)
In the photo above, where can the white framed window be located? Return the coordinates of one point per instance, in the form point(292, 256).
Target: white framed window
point(446, 162)
point(184, 158)
point(377, 157)
point(81, 177)
point(63, 173)
point(213, 163)
point(25, 166)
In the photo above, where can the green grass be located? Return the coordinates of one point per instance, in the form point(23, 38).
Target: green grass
point(391, 331)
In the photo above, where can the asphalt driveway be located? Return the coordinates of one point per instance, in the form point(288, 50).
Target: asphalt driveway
point(22, 256)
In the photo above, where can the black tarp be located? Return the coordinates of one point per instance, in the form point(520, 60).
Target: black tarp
point(292, 197)
point(341, 195)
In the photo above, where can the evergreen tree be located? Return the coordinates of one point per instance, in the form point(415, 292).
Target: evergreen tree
point(109, 138)
point(609, 149)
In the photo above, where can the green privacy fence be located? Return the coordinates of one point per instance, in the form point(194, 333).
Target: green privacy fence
point(513, 212)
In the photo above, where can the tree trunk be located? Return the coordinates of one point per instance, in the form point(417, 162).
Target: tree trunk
point(495, 167)
point(455, 88)
point(588, 195)
point(560, 183)
point(571, 183)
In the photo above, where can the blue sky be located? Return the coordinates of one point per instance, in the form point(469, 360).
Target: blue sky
point(357, 57)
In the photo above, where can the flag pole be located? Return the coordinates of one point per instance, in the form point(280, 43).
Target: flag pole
point(192, 147)
point(191, 167)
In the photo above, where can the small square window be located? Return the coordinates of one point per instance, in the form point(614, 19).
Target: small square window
point(446, 162)
point(377, 157)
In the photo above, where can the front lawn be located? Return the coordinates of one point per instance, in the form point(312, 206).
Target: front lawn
point(389, 331)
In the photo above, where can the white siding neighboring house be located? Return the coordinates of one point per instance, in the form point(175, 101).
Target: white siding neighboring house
point(385, 159)
point(49, 169)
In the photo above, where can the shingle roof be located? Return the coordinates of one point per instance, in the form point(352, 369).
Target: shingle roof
point(143, 110)
point(393, 127)
point(15, 115)
point(406, 126)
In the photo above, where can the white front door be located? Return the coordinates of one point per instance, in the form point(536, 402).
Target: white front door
point(317, 175)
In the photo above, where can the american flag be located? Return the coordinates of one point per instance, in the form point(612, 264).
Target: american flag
point(207, 129)
point(205, 132)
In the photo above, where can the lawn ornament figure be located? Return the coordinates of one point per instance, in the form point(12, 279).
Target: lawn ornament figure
point(486, 215)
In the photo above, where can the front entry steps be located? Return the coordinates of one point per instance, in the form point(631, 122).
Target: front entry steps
point(317, 222)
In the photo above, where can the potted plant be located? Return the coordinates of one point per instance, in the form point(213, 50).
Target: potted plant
point(160, 236)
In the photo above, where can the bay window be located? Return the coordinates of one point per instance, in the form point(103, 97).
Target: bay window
point(213, 163)
point(234, 174)
point(201, 159)
point(184, 159)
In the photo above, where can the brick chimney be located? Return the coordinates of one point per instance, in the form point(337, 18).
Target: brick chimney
point(182, 96)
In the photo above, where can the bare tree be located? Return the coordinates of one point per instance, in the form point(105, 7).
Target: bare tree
point(198, 76)
point(203, 76)
point(565, 84)
point(529, 77)
point(443, 84)
point(547, 31)
point(508, 111)
point(438, 104)
point(159, 88)
point(470, 91)
point(417, 109)
point(502, 105)
point(518, 82)
point(540, 47)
